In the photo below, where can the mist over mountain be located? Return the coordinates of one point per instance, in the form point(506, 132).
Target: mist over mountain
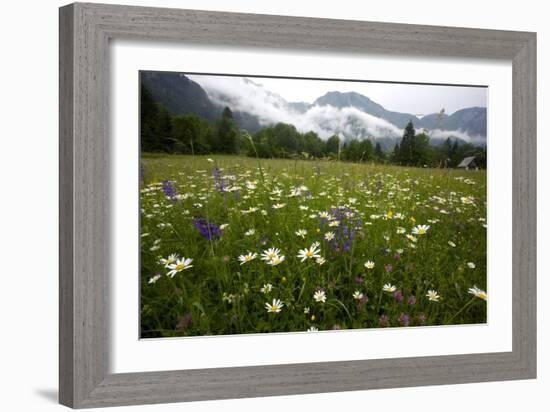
point(349, 115)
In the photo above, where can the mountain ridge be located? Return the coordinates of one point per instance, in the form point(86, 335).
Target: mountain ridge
point(180, 94)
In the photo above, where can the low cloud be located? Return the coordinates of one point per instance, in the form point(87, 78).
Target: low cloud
point(244, 95)
point(457, 134)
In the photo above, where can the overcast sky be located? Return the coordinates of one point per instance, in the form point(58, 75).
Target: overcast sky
point(408, 98)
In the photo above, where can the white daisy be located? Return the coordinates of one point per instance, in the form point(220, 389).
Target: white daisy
point(277, 260)
point(266, 288)
point(178, 266)
point(301, 233)
point(154, 279)
point(309, 253)
point(420, 230)
point(388, 287)
point(169, 260)
point(313, 329)
point(320, 296)
point(358, 295)
point(329, 236)
point(369, 264)
point(270, 253)
point(247, 258)
point(471, 265)
point(432, 295)
point(275, 306)
point(320, 260)
point(478, 293)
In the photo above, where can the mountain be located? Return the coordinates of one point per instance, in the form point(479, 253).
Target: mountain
point(363, 103)
point(472, 121)
point(179, 94)
point(350, 114)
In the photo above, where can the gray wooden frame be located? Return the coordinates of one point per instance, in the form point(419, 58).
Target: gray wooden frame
point(85, 31)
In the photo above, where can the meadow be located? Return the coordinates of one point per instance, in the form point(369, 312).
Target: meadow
point(233, 245)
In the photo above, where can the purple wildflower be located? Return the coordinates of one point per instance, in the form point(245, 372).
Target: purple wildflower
point(384, 321)
point(403, 319)
point(397, 256)
point(412, 300)
point(207, 230)
point(218, 180)
point(388, 267)
point(359, 280)
point(398, 296)
point(422, 319)
point(345, 231)
point(185, 322)
point(169, 189)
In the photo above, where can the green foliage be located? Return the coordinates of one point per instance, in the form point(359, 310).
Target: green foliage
point(227, 133)
point(155, 126)
point(358, 151)
point(378, 153)
point(333, 146)
point(193, 133)
point(283, 140)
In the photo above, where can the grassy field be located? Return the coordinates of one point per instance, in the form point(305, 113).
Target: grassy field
point(235, 245)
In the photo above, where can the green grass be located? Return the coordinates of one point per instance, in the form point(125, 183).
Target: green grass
point(218, 295)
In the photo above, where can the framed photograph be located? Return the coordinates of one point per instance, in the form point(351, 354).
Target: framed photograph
point(256, 205)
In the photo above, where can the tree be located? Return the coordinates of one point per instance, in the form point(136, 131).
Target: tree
point(367, 150)
point(227, 132)
point(378, 153)
point(454, 154)
point(394, 157)
point(313, 144)
point(406, 147)
point(332, 146)
point(155, 123)
point(192, 133)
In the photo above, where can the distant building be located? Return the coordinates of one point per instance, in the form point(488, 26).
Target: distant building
point(468, 163)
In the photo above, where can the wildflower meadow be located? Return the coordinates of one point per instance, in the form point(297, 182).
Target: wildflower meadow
point(233, 245)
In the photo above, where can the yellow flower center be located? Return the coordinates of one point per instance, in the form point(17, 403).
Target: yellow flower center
point(421, 231)
point(309, 253)
point(180, 266)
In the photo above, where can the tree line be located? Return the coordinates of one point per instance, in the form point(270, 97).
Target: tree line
point(190, 134)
